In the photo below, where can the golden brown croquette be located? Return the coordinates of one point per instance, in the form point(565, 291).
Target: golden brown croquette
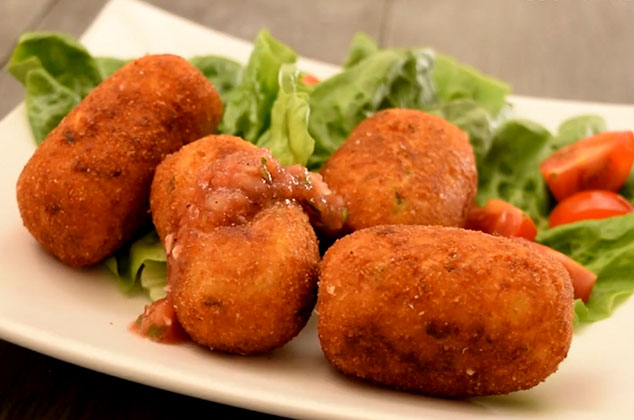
point(403, 166)
point(242, 256)
point(248, 288)
point(174, 184)
point(234, 174)
point(443, 311)
point(85, 190)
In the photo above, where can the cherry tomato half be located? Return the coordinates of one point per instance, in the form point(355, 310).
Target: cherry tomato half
point(159, 323)
point(309, 79)
point(582, 279)
point(585, 205)
point(600, 162)
point(498, 217)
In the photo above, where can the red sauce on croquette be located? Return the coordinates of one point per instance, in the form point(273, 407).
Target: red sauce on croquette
point(326, 210)
point(236, 187)
point(231, 190)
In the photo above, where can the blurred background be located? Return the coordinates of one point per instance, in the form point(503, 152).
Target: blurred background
point(571, 49)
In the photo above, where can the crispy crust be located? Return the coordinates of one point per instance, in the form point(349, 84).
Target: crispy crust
point(85, 190)
point(443, 311)
point(404, 166)
point(242, 261)
point(250, 288)
point(174, 184)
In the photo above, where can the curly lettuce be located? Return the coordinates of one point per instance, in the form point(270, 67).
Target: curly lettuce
point(454, 80)
point(288, 138)
point(223, 73)
point(385, 79)
point(247, 111)
point(143, 261)
point(510, 170)
point(577, 128)
point(606, 247)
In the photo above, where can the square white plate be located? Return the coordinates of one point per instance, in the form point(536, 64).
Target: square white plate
point(81, 317)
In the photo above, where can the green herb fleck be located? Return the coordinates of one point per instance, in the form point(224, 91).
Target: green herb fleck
point(344, 215)
point(308, 183)
point(155, 332)
point(266, 174)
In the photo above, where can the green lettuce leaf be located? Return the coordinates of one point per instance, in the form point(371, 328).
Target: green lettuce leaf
point(578, 128)
point(510, 170)
point(475, 120)
point(119, 265)
point(458, 81)
point(247, 111)
point(606, 247)
point(142, 261)
point(57, 73)
point(47, 102)
point(361, 46)
point(628, 189)
point(153, 279)
point(386, 79)
point(222, 72)
point(59, 55)
point(108, 65)
point(288, 138)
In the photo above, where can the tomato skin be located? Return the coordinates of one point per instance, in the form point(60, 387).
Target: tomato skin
point(586, 205)
point(498, 217)
point(309, 79)
point(600, 162)
point(583, 280)
point(159, 323)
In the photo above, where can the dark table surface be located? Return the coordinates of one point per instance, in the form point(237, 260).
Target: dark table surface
point(555, 48)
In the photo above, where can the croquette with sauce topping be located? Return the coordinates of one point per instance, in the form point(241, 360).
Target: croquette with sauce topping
point(242, 256)
point(239, 185)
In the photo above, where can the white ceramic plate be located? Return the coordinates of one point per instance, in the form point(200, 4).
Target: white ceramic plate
point(81, 317)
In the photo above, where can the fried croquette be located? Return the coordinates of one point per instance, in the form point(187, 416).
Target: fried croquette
point(239, 186)
point(404, 166)
point(85, 190)
point(242, 256)
point(174, 183)
point(443, 311)
point(248, 288)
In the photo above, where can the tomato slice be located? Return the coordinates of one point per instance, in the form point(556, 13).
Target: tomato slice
point(498, 217)
point(600, 162)
point(585, 205)
point(159, 323)
point(309, 79)
point(583, 280)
